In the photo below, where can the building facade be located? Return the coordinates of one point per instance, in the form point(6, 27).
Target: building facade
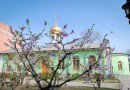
point(4, 36)
point(115, 63)
point(120, 64)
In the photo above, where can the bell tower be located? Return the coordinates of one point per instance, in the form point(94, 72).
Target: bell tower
point(55, 33)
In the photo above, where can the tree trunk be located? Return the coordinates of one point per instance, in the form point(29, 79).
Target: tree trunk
point(21, 80)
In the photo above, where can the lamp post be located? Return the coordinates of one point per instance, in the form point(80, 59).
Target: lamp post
point(126, 7)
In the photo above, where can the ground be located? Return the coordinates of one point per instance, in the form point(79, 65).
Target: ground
point(73, 85)
point(63, 88)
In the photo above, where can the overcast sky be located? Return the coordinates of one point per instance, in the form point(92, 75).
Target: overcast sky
point(107, 15)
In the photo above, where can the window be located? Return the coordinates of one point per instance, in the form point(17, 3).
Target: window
point(92, 60)
point(120, 65)
point(10, 56)
point(53, 38)
point(19, 68)
point(61, 65)
point(31, 54)
point(76, 62)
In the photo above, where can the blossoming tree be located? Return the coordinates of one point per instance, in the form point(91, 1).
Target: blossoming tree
point(28, 43)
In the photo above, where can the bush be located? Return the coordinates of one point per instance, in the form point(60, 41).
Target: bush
point(45, 75)
point(5, 75)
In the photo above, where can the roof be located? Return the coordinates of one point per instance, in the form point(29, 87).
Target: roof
point(50, 47)
point(120, 54)
point(4, 27)
point(9, 51)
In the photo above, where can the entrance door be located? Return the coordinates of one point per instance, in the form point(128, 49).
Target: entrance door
point(44, 68)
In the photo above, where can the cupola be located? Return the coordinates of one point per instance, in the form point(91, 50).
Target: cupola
point(55, 29)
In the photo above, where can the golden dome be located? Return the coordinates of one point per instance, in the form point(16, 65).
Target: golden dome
point(55, 29)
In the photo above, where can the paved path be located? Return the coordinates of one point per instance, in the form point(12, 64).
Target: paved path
point(107, 85)
point(81, 83)
point(124, 85)
point(125, 82)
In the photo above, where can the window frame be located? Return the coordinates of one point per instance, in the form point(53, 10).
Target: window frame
point(62, 64)
point(76, 60)
point(120, 66)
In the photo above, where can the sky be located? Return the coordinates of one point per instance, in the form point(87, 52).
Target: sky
point(79, 15)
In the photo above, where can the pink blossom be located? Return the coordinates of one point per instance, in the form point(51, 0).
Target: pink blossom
point(27, 49)
point(23, 45)
point(64, 34)
point(19, 57)
point(35, 38)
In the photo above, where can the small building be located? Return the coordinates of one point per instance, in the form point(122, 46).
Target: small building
point(120, 64)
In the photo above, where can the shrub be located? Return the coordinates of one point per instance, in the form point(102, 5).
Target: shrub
point(45, 75)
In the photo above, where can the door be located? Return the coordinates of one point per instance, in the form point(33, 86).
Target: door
point(44, 68)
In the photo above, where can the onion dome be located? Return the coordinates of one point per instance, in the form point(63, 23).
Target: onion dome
point(55, 29)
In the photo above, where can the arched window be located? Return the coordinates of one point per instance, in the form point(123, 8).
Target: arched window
point(53, 38)
point(62, 64)
point(76, 62)
point(120, 65)
point(10, 57)
point(91, 60)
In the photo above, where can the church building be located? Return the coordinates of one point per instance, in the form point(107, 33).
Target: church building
point(115, 63)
